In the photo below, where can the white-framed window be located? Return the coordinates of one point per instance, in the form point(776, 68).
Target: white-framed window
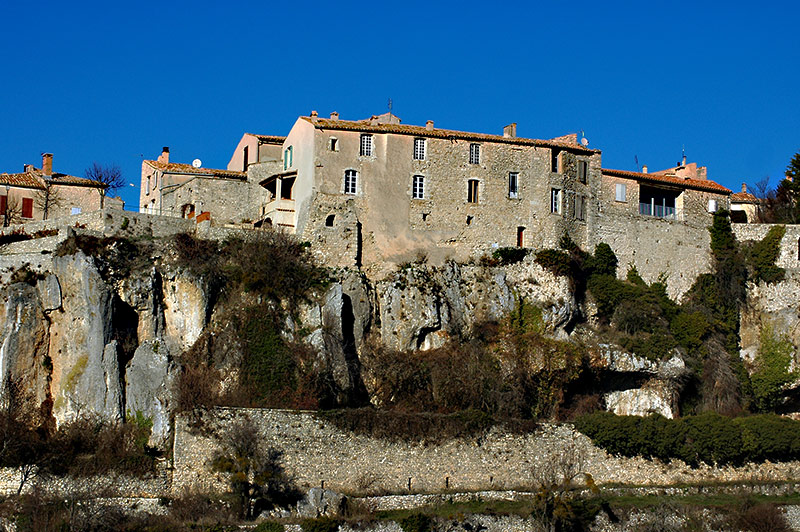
point(554, 160)
point(583, 170)
point(333, 144)
point(366, 145)
point(621, 192)
point(418, 187)
point(147, 187)
point(419, 149)
point(474, 153)
point(350, 181)
point(513, 185)
point(472, 191)
point(555, 201)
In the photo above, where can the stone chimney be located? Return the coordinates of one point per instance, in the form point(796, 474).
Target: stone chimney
point(47, 163)
point(28, 168)
point(429, 125)
point(164, 157)
point(744, 187)
point(510, 130)
point(335, 115)
point(314, 116)
point(644, 168)
point(683, 162)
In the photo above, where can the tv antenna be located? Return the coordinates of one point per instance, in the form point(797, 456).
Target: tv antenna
point(389, 105)
point(636, 158)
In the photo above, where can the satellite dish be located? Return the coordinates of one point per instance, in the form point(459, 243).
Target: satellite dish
point(197, 163)
point(585, 142)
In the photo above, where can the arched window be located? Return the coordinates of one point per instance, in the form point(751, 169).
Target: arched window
point(329, 220)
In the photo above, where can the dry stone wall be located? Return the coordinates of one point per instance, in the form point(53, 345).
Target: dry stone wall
point(314, 451)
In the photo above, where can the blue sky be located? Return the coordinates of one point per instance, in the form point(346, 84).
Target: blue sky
point(113, 82)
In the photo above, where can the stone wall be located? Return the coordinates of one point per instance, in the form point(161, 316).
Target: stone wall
point(314, 451)
point(789, 257)
point(109, 485)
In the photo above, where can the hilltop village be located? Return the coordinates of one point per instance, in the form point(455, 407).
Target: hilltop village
point(370, 325)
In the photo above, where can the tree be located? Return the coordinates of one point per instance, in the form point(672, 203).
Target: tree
point(48, 198)
point(13, 211)
point(110, 175)
point(254, 471)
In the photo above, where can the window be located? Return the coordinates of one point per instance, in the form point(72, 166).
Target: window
point(350, 181)
point(366, 146)
point(418, 187)
point(554, 160)
point(27, 207)
point(520, 237)
point(288, 155)
point(583, 169)
point(245, 156)
point(474, 154)
point(3, 205)
point(555, 201)
point(334, 144)
point(621, 192)
point(580, 207)
point(147, 187)
point(329, 220)
point(513, 185)
point(472, 191)
point(419, 149)
point(76, 210)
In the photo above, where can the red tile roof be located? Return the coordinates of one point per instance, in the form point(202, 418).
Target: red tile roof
point(180, 168)
point(743, 197)
point(699, 184)
point(268, 139)
point(35, 180)
point(422, 131)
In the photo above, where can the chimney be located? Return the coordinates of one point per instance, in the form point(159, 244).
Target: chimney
point(314, 116)
point(164, 157)
point(644, 168)
point(334, 115)
point(47, 163)
point(510, 130)
point(744, 187)
point(28, 168)
point(429, 125)
point(684, 161)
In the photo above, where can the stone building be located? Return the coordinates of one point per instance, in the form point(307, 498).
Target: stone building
point(40, 193)
point(745, 207)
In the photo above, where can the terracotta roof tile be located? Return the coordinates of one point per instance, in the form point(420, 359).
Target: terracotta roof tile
point(743, 197)
point(422, 131)
point(699, 184)
point(268, 139)
point(64, 179)
point(35, 180)
point(180, 168)
point(24, 179)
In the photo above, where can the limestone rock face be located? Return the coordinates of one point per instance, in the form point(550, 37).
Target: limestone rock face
point(654, 397)
point(24, 357)
point(86, 375)
point(149, 379)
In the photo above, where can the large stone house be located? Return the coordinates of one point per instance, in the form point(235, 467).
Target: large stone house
point(376, 193)
point(41, 193)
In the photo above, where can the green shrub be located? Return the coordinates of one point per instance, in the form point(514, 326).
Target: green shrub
point(772, 369)
point(417, 522)
point(509, 255)
point(555, 261)
point(603, 262)
point(269, 526)
point(762, 255)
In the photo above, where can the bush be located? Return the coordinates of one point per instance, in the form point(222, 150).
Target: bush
point(506, 256)
point(709, 437)
point(761, 256)
point(269, 526)
point(417, 522)
point(555, 261)
point(322, 524)
point(772, 373)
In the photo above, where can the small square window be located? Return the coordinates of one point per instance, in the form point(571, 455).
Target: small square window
point(474, 154)
point(418, 187)
point(366, 145)
point(419, 149)
point(472, 191)
point(555, 201)
point(513, 185)
point(621, 192)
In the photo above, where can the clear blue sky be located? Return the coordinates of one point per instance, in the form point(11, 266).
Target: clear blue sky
point(113, 82)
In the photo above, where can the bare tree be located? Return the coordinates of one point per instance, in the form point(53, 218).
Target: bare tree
point(110, 175)
point(48, 198)
point(12, 213)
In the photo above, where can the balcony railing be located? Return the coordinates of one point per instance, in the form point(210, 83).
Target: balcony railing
point(659, 211)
